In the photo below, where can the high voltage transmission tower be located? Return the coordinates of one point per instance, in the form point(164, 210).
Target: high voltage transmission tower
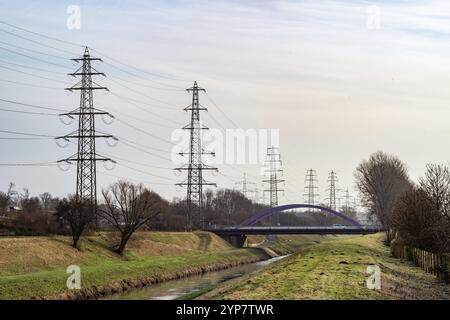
point(86, 156)
point(273, 161)
point(195, 166)
point(347, 197)
point(332, 180)
point(246, 187)
point(311, 187)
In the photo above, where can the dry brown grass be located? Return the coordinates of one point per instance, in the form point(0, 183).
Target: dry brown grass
point(30, 254)
point(175, 243)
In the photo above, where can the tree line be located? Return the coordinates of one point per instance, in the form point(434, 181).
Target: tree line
point(124, 208)
point(415, 213)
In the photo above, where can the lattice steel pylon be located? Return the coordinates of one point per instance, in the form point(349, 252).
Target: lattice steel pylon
point(347, 204)
point(86, 156)
point(195, 166)
point(311, 187)
point(246, 187)
point(332, 180)
point(273, 160)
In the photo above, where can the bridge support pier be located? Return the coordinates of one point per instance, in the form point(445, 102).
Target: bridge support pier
point(237, 241)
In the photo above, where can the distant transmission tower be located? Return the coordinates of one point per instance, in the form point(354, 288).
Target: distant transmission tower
point(347, 197)
point(86, 156)
point(311, 187)
point(273, 161)
point(246, 187)
point(332, 180)
point(195, 166)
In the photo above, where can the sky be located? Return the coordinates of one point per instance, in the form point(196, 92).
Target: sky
point(338, 79)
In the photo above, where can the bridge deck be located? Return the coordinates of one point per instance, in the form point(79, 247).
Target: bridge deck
point(247, 230)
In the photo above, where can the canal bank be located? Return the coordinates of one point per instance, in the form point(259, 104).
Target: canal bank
point(36, 267)
point(336, 268)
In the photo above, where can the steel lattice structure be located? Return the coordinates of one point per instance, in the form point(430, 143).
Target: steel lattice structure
point(86, 156)
point(273, 161)
point(311, 187)
point(332, 180)
point(244, 185)
point(195, 166)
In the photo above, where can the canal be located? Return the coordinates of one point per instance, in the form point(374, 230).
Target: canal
point(176, 289)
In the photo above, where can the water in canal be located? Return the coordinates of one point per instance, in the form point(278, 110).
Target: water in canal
point(174, 289)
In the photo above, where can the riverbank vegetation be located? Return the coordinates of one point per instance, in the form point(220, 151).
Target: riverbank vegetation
point(36, 266)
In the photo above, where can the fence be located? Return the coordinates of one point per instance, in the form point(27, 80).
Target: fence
point(437, 264)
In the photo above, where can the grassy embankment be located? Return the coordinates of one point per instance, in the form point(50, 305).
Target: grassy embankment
point(336, 268)
point(36, 266)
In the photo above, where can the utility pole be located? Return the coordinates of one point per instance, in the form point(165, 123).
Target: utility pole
point(86, 156)
point(195, 166)
point(243, 186)
point(332, 180)
point(311, 187)
point(273, 161)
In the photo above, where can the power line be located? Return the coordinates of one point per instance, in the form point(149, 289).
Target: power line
point(127, 99)
point(136, 180)
point(31, 105)
point(141, 93)
point(144, 151)
point(33, 58)
point(30, 74)
point(38, 164)
point(25, 139)
point(122, 139)
point(41, 35)
point(136, 118)
point(36, 42)
point(29, 112)
point(140, 70)
point(138, 163)
point(80, 45)
point(171, 87)
point(30, 85)
point(35, 51)
point(147, 173)
point(152, 113)
point(221, 111)
point(27, 134)
point(29, 67)
point(145, 132)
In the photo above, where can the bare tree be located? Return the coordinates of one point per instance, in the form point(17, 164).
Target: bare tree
point(381, 180)
point(46, 200)
point(78, 214)
point(7, 198)
point(436, 184)
point(127, 208)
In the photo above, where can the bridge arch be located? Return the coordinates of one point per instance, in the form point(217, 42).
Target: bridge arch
point(275, 210)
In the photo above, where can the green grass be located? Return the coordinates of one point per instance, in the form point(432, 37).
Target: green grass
point(294, 243)
point(37, 271)
point(336, 269)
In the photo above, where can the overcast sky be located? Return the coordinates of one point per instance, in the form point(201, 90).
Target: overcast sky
point(339, 79)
